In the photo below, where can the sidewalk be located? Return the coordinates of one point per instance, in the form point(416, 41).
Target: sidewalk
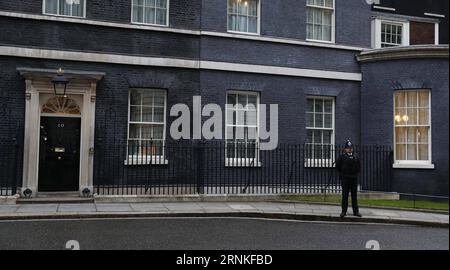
point(277, 210)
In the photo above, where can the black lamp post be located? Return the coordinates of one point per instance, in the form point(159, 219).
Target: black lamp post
point(60, 83)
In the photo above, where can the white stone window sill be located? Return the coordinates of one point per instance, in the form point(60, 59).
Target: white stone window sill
point(144, 160)
point(413, 166)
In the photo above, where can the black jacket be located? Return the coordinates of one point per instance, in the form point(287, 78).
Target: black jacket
point(348, 165)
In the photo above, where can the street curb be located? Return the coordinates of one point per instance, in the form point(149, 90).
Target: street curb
point(242, 214)
point(430, 211)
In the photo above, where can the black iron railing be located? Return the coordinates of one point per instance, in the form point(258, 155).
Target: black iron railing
point(218, 167)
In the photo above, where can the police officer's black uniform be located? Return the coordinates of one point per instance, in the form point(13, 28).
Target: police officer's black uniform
point(348, 166)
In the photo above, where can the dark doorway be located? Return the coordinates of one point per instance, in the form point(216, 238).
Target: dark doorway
point(59, 154)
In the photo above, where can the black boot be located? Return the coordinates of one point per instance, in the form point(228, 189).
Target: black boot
point(343, 214)
point(357, 214)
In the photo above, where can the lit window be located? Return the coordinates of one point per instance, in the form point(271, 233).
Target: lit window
point(146, 125)
point(320, 20)
point(412, 126)
point(243, 16)
point(242, 129)
point(153, 12)
point(320, 128)
point(72, 8)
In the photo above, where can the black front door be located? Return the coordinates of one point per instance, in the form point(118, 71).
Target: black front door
point(59, 154)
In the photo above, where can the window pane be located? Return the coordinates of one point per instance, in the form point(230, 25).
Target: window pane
point(412, 117)
point(251, 118)
point(424, 117)
point(424, 99)
point(412, 135)
point(328, 121)
point(138, 12)
point(412, 152)
point(412, 99)
point(133, 147)
point(135, 113)
point(328, 106)
point(310, 120)
point(135, 98)
point(231, 117)
point(51, 6)
point(327, 137)
point(159, 100)
point(65, 8)
point(400, 152)
point(319, 120)
point(253, 25)
point(146, 132)
point(78, 9)
point(422, 135)
point(147, 114)
point(309, 136)
point(319, 105)
point(147, 98)
point(158, 132)
point(134, 131)
point(149, 15)
point(423, 152)
point(400, 99)
point(158, 115)
point(231, 99)
point(400, 135)
point(161, 3)
point(161, 15)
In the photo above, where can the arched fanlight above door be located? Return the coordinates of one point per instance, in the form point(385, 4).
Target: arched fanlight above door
point(61, 105)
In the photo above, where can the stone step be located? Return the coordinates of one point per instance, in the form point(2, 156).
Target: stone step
point(55, 198)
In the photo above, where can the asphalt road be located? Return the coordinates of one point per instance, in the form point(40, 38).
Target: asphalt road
point(214, 233)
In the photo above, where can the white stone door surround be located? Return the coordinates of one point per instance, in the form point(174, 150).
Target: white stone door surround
point(82, 88)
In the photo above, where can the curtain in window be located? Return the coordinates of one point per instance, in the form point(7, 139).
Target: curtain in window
point(412, 125)
point(243, 16)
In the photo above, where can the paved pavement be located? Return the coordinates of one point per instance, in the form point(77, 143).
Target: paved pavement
point(300, 211)
point(227, 234)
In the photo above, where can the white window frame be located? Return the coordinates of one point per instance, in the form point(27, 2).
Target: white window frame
point(152, 24)
point(244, 162)
point(62, 15)
point(140, 159)
point(376, 31)
point(413, 164)
point(323, 162)
point(333, 23)
point(258, 24)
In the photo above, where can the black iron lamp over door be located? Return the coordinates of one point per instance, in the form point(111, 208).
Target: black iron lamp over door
point(60, 83)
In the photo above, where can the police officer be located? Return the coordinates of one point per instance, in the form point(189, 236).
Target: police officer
point(348, 166)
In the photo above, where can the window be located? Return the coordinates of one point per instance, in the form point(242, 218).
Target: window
point(391, 34)
point(73, 8)
point(412, 126)
point(320, 20)
point(154, 12)
point(147, 120)
point(320, 130)
point(242, 129)
point(243, 16)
